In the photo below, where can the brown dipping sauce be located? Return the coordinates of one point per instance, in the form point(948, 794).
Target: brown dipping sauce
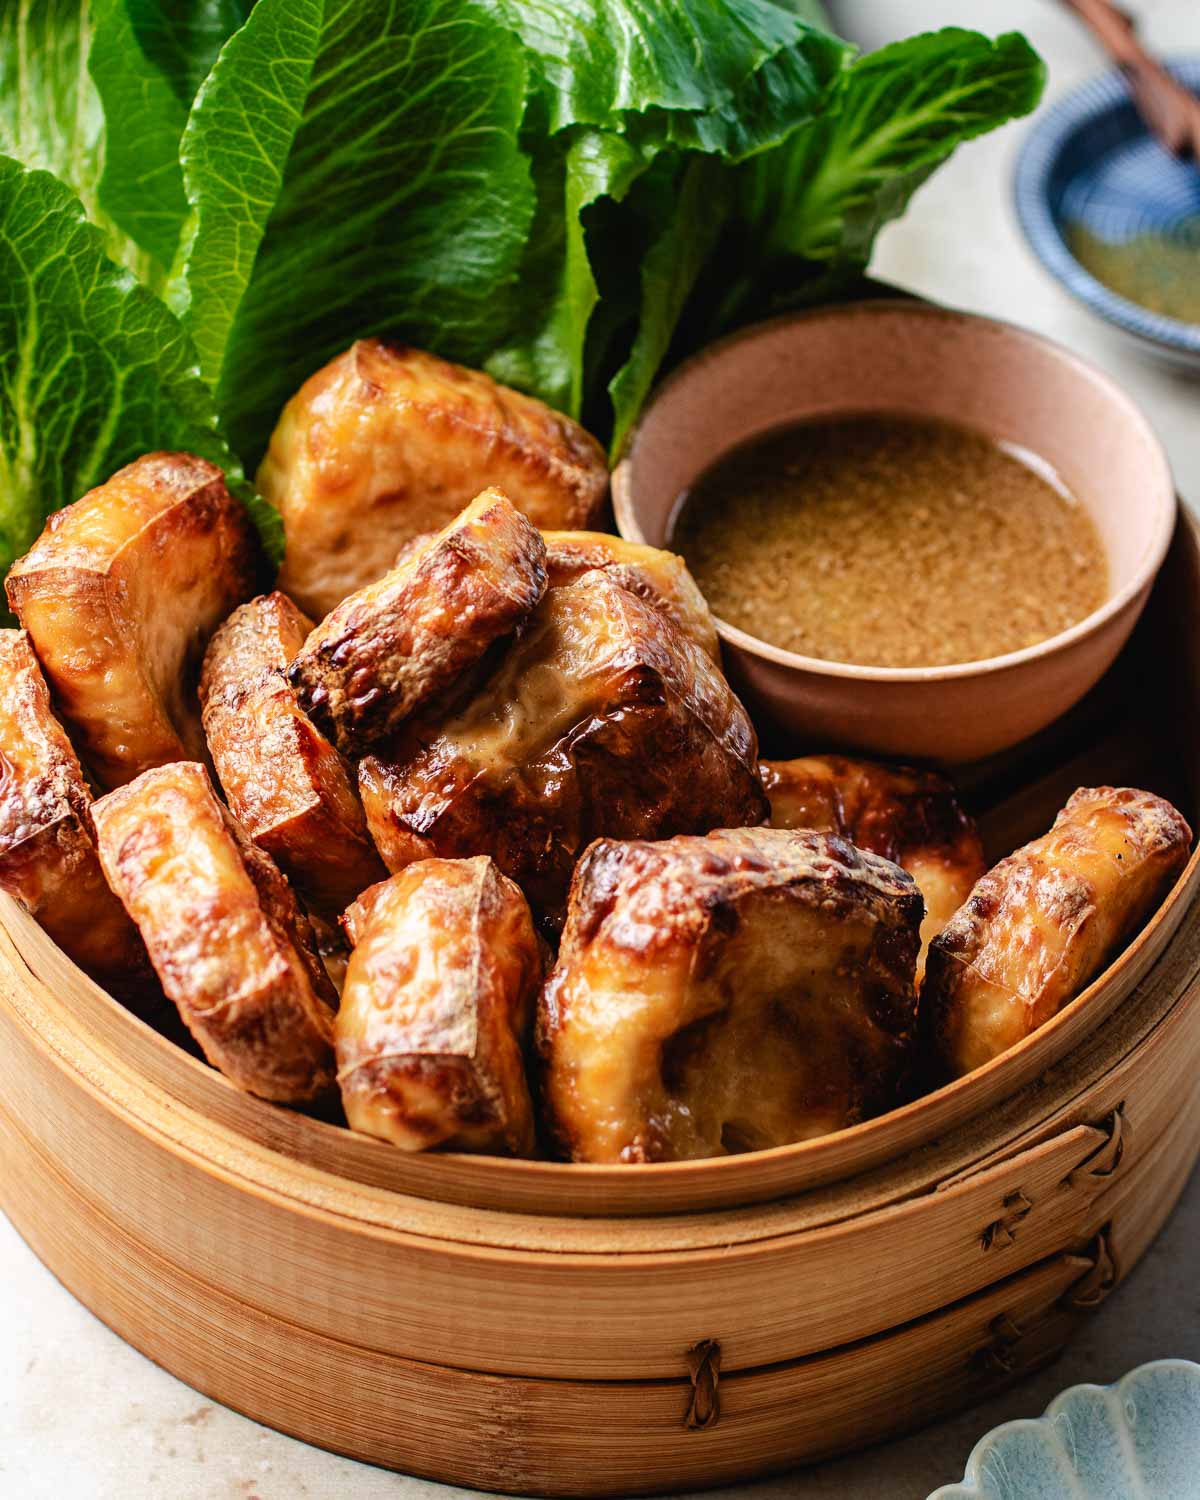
point(891, 541)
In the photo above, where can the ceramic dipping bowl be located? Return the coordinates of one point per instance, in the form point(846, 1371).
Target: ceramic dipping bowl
point(912, 358)
point(1089, 163)
point(1138, 1440)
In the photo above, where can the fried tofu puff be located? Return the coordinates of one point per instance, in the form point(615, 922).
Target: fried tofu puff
point(48, 858)
point(285, 783)
point(911, 817)
point(730, 993)
point(386, 442)
point(403, 639)
point(601, 720)
point(437, 1008)
point(659, 577)
point(1041, 925)
point(120, 594)
point(225, 934)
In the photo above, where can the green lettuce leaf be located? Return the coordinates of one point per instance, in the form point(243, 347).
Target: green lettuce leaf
point(801, 217)
point(95, 369)
point(617, 85)
point(673, 71)
point(820, 199)
point(98, 92)
point(557, 292)
point(51, 116)
point(254, 98)
point(670, 270)
point(403, 203)
point(147, 60)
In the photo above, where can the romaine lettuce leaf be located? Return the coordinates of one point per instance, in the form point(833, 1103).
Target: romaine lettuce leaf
point(95, 370)
point(820, 199)
point(235, 152)
point(50, 112)
point(678, 72)
point(670, 269)
point(557, 292)
point(803, 215)
point(147, 60)
point(98, 92)
point(403, 204)
point(618, 84)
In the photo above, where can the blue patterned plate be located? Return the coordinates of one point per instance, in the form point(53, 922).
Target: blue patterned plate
point(1090, 163)
point(1138, 1440)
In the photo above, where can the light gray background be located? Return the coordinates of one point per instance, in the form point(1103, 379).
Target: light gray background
point(83, 1417)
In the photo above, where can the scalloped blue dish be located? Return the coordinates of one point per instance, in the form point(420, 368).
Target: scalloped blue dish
point(1137, 1440)
point(1089, 161)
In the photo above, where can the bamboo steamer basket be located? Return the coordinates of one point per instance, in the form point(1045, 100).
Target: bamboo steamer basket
point(544, 1329)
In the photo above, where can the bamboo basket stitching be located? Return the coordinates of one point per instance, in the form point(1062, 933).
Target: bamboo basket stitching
point(1100, 1280)
point(704, 1403)
point(1105, 1160)
point(999, 1357)
point(1003, 1232)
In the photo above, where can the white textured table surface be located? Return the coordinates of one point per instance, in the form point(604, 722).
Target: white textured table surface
point(83, 1417)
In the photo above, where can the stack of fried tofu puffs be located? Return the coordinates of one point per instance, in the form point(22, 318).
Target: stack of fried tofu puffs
point(463, 823)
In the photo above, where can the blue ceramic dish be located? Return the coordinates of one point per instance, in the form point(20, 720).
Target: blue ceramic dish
point(1137, 1440)
point(1090, 161)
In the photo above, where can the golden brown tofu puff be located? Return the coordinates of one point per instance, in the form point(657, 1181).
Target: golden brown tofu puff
point(1042, 924)
point(911, 817)
point(659, 577)
point(601, 720)
point(48, 858)
point(286, 784)
point(404, 639)
point(120, 594)
point(437, 1008)
point(231, 946)
point(386, 442)
point(729, 993)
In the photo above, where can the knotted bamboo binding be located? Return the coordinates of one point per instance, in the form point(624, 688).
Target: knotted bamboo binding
point(704, 1368)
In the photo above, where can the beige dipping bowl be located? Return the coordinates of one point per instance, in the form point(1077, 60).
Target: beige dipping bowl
point(912, 358)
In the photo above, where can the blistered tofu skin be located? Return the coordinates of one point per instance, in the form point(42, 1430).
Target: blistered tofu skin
point(659, 577)
point(386, 442)
point(601, 720)
point(1040, 926)
point(48, 858)
point(285, 783)
point(120, 595)
point(226, 937)
point(730, 993)
point(909, 816)
point(398, 643)
point(437, 1008)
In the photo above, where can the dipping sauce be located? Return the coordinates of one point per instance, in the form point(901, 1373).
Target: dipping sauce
point(890, 541)
point(1158, 271)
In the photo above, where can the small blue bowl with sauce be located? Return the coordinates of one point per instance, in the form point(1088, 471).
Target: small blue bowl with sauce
point(1114, 216)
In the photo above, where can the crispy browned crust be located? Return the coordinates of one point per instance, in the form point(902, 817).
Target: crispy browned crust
point(729, 993)
point(229, 943)
point(285, 783)
point(404, 639)
point(659, 577)
point(120, 594)
point(437, 1008)
point(909, 816)
point(601, 720)
point(48, 857)
point(386, 442)
point(1041, 925)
